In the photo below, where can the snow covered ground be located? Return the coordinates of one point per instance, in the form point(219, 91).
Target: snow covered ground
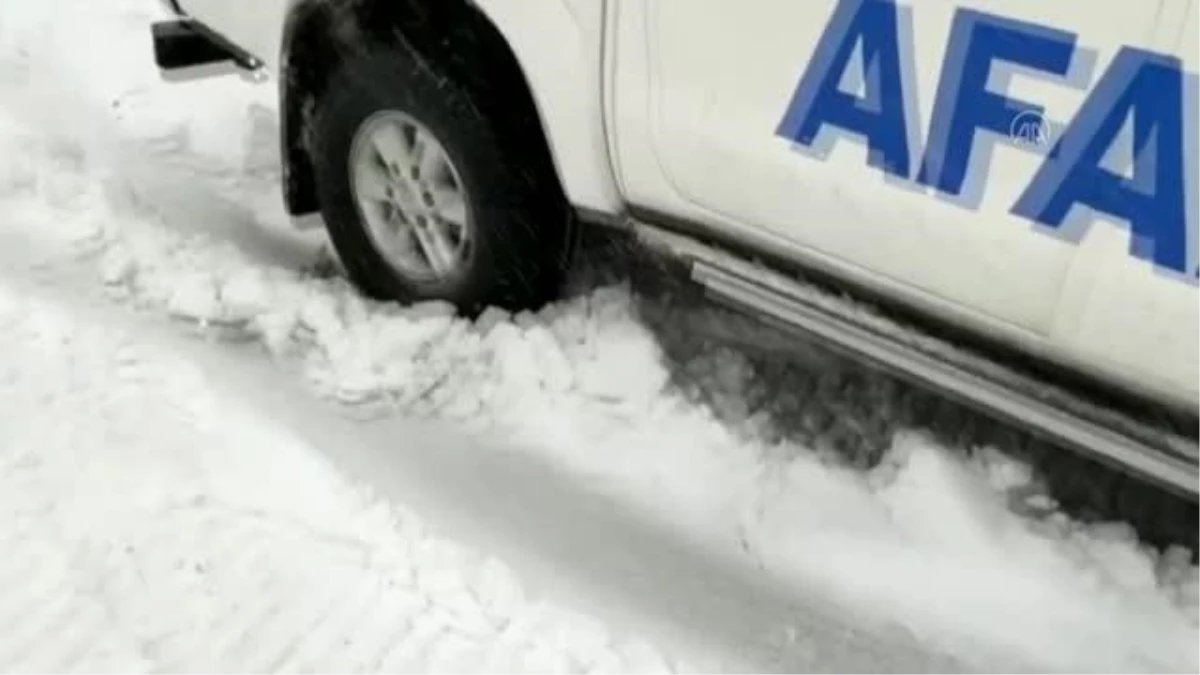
point(214, 454)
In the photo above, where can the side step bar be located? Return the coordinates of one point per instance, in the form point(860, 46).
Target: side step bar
point(853, 329)
point(183, 43)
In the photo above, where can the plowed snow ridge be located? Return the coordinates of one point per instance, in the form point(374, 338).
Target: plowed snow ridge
point(170, 192)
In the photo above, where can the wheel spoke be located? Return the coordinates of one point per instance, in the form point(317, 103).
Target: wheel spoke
point(402, 246)
point(437, 247)
point(450, 207)
point(427, 157)
point(370, 182)
point(390, 144)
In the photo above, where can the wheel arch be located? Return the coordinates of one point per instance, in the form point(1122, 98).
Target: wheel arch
point(558, 121)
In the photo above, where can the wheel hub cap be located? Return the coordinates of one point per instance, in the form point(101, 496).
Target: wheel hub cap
point(410, 197)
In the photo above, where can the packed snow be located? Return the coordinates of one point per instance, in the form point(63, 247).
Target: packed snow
point(156, 524)
point(218, 455)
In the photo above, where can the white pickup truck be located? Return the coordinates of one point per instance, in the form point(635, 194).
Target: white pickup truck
point(993, 198)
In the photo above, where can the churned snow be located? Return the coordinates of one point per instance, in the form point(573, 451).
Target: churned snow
point(155, 517)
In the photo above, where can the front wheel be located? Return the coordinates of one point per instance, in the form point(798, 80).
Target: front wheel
point(420, 199)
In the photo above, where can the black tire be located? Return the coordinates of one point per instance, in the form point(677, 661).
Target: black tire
point(522, 227)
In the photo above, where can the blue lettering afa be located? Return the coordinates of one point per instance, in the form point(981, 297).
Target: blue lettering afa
point(1140, 90)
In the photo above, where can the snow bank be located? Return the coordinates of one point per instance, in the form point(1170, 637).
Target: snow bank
point(967, 554)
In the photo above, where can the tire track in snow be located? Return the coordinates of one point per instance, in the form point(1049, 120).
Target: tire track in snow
point(152, 556)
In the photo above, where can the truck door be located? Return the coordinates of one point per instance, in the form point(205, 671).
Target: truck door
point(885, 140)
point(1137, 315)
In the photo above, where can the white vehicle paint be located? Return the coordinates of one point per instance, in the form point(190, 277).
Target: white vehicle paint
point(675, 108)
